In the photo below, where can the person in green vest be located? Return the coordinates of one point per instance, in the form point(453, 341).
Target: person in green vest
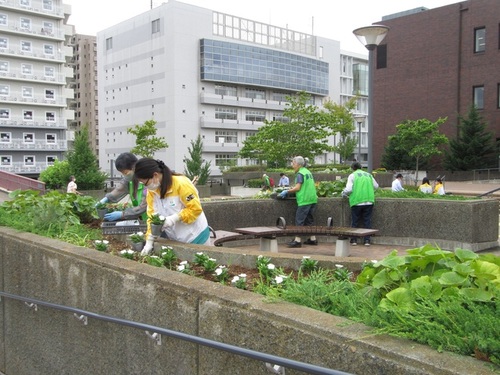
point(305, 192)
point(125, 164)
point(360, 189)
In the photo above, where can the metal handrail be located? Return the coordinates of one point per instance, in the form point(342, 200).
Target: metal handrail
point(488, 192)
point(264, 357)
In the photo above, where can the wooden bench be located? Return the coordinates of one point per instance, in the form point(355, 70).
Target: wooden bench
point(218, 237)
point(268, 235)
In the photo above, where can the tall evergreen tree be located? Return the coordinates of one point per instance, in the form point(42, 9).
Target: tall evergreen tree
point(395, 158)
point(83, 163)
point(196, 166)
point(474, 147)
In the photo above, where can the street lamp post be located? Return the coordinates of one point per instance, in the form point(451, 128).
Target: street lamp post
point(371, 37)
point(359, 120)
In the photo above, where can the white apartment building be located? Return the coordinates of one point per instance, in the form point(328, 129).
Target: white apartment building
point(33, 84)
point(197, 71)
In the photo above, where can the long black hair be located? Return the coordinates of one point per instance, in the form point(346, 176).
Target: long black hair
point(146, 167)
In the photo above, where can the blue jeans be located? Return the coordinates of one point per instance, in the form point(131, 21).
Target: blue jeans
point(304, 215)
point(364, 213)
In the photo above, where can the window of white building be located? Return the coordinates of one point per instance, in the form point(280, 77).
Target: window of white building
point(6, 160)
point(5, 137)
point(29, 160)
point(27, 115)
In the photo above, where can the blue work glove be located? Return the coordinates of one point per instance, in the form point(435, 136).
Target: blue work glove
point(283, 194)
point(113, 216)
point(103, 200)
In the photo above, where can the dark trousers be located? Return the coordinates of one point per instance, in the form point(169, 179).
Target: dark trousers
point(304, 215)
point(363, 213)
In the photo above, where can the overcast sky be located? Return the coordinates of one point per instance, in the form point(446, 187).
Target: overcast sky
point(333, 19)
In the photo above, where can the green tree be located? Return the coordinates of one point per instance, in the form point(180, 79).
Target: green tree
point(83, 163)
point(276, 142)
point(474, 147)
point(57, 175)
point(420, 138)
point(395, 158)
point(195, 166)
point(340, 119)
point(147, 143)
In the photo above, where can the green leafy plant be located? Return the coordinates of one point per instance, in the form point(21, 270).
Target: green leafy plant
point(240, 281)
point(184, 267)
point(200, 258)
point(101, 245)
point(168, 256)
point(128, 253)
point(221, 273)
point(153, 260)
point(308, 265)
point(157, 219)
point(210, 265)
point(137, 237)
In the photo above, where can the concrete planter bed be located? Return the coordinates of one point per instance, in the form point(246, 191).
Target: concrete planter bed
point(57, 272)
point(449, 224)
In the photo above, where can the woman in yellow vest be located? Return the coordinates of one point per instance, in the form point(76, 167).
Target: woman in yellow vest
point(125, 164)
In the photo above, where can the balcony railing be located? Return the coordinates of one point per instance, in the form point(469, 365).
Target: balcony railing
point(37, 145)
point(37, 124)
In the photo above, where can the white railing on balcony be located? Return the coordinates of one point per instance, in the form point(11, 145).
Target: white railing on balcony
point(20, 167)
point(37, 145)
point(20, 123)
point(19, 75)
point(54, 11)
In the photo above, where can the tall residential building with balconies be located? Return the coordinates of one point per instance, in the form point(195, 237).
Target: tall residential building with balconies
point(33, 84)
point(197, 71)
point(85, 86)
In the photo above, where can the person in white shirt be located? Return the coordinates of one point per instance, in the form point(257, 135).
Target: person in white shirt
point(72, 186)
point(284, 180)
point(396, 184)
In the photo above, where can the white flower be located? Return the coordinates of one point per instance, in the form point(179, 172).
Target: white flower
point(162, 217)
point(105, 242)
point(200, 253)
point(212, 259)
point(271, 266)
point(166, 248)
point(140, 234)
point(243, 275)
point(181, 267)
point(339, 266)
point(235, 279)
point(306, 257)
point(278, 279)
point(374, 261)
point(219, 270)
point(184, 263)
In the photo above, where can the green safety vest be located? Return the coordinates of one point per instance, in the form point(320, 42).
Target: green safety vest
point(136, 201)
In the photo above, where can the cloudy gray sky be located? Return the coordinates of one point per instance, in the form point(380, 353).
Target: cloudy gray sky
point(333, 19)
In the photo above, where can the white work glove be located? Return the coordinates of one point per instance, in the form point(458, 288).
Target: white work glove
point(170, 221)
point(344, 194)
point(148, 247)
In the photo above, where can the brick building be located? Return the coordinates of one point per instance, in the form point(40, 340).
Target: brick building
point(436, 63)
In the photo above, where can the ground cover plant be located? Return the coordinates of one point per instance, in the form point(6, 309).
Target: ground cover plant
point(447, 300)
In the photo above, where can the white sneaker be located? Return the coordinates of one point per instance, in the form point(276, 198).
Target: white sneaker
point(367, 244)
point(354, 244)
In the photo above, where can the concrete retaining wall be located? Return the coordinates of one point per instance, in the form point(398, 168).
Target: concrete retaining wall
point(46, 341)
point(471, 224)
